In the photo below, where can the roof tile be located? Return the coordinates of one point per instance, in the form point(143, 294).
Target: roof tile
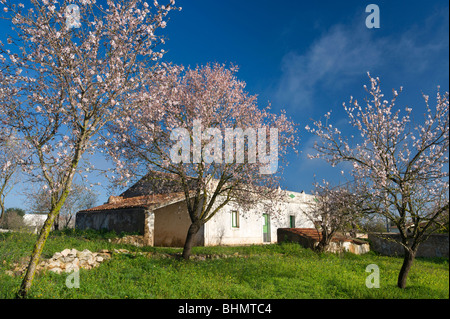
point(144, 201)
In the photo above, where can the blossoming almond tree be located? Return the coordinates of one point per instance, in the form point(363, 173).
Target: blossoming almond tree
point(333, 209)
point(402, 169)
point(199, 140)
point(71, 67)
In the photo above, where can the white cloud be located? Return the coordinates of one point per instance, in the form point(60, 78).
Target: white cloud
point(345, 53)
point(337, 55)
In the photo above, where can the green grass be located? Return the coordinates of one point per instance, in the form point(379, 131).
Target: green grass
point(285, 271)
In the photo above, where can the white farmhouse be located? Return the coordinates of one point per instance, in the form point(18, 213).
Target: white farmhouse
point(163, 219)
point(34, 221)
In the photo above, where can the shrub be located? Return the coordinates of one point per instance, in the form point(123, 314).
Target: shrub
point(13, 220)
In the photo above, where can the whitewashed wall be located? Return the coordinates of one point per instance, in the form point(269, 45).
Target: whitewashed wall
point(219, 230)
point(34, 221)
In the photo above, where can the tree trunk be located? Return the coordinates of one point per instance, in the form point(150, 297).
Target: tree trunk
point(56, 206)
point(407, 263)
point(56, 223)
point(36, 254)
point(193, 229)
point(321, 247)
point(324, 242)
point(2, 212)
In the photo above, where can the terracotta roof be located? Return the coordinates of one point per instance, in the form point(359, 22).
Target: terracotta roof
point(313, 234)
point(145, 201)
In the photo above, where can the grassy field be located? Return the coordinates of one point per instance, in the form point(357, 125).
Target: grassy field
point(275, 271)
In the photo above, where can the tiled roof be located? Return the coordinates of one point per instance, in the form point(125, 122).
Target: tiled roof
point(145, 201)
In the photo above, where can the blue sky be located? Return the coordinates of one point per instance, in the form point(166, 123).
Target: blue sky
point(308, 57)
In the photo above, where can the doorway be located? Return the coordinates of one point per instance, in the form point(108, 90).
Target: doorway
point(266, 228)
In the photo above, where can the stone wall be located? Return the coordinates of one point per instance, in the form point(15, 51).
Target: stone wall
point(126, 220)
point(435, 246)
point(338, 245)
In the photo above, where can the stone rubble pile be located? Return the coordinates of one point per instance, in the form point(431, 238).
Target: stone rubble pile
point(67, 261)
point(70, 260)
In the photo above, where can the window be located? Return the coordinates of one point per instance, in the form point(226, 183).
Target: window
point(235, 219)
point(292, 221)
